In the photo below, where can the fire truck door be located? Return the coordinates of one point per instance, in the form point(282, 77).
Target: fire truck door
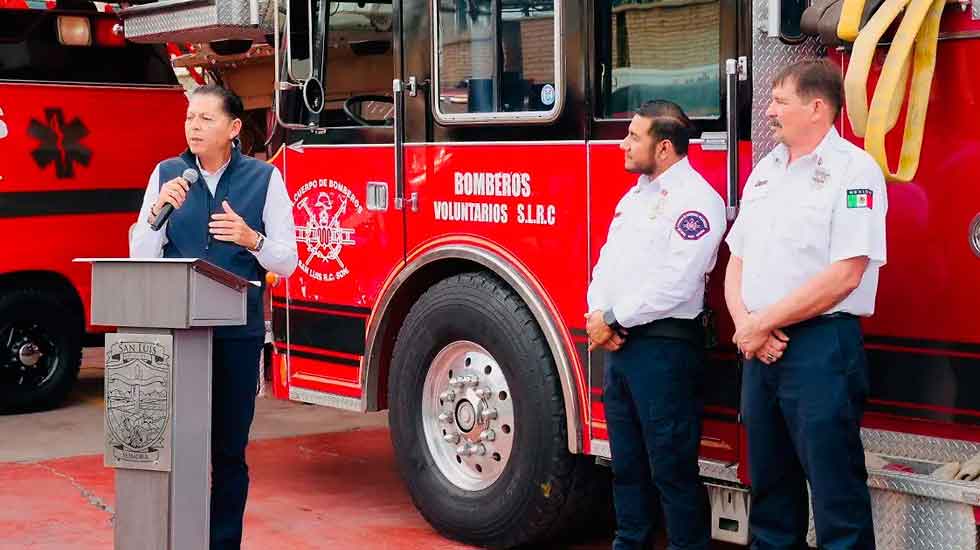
point(340, 176)
point(689, 54)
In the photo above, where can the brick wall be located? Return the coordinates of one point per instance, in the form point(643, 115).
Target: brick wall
point(529, 48)
point(669, 36)
point(458, 62)
point(538, 49)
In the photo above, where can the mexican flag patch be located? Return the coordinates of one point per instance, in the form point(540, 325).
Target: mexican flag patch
point(860, 198)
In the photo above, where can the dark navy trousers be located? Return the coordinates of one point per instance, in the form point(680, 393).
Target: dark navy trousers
point(653, 409)
point(235, 375)
point(803, 416)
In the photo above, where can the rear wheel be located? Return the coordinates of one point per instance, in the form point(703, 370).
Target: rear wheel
point(477, 417)
point(40, 350)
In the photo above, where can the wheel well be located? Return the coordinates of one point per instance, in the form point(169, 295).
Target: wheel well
point(407, 294)
point(59, 286)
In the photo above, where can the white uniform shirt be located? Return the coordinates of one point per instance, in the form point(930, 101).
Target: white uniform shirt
point(662, 241)
point(278, 253)
point(795, 221)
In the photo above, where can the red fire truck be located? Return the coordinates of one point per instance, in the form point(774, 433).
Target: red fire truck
point(454, 168)
point(84, 117)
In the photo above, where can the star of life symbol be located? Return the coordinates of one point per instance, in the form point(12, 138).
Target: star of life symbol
point(137, 389)
point(322, 208)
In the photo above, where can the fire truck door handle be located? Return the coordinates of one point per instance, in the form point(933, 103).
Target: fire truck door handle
point(413, 202)
point(398, 90)
point(734, 71)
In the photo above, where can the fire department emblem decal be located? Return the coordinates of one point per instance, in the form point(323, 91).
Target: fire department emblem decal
point(323, 208)
point(692, 225)
point(137, 390)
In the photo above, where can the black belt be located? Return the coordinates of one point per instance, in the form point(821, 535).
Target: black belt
point(688, 330)
point(836, 316)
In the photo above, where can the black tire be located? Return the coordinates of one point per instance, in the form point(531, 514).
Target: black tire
point(543, 488)
point(57, 329)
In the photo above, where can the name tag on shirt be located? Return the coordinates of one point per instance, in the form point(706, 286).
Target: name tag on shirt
point(820, 177)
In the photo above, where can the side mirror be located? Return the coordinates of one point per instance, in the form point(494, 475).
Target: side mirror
point(299, 89)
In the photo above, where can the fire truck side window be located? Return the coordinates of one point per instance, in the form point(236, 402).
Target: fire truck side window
point(31, 50)
point(660, 50)
point(495, 56)
point(359, 65)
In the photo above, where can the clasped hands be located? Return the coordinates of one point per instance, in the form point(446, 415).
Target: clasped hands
point(755, 341)
point(751, 338)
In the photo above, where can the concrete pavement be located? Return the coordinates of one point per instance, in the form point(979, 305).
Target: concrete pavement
point(321, 479)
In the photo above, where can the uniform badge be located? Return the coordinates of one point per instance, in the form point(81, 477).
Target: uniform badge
point(860, 198)
point(761, 183)
point(692, 225)
point(820, 176)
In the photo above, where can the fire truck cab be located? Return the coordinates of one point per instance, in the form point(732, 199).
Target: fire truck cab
point(454, 167)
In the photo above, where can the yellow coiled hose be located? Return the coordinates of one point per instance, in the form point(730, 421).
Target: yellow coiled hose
point(919, 28)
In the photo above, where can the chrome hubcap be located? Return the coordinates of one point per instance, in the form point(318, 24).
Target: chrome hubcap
point(29, 354)
point(468, 415)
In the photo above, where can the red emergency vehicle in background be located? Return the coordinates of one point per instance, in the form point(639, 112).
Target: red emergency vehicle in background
point(454, 167)
point(84, 117)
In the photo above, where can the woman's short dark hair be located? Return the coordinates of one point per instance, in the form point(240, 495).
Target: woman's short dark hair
point(231, 104)
point(668, 122)
point(815, 78)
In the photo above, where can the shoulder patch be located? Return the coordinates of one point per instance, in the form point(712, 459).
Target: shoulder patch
point(692, 225)
point(860, 198)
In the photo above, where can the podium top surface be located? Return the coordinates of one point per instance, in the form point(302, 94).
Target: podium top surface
point(140, 260)
point(173, 293)
point(219, 274)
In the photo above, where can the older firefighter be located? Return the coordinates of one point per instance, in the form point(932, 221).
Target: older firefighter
point(224, 218)
point(645, 299)
point(806, 250)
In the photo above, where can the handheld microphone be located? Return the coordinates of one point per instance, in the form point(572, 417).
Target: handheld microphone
point(189, 175)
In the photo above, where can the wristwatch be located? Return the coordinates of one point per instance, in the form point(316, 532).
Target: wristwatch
point(609, 318)
point(258, 242)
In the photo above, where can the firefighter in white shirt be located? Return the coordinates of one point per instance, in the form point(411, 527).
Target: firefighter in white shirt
point(645, 301)
point(806, 250)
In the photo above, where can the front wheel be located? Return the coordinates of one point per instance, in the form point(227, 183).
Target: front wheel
point(40, 351)
point(477, 417)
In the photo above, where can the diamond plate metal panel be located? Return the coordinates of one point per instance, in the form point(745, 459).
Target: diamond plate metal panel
point(908, 522)
point(714, 469)
point(912, 522)
point(769, 55)
point(919, 447)
point(964, 492)
point(195, 21)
